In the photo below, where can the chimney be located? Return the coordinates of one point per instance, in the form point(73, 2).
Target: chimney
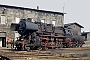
point(38, 7)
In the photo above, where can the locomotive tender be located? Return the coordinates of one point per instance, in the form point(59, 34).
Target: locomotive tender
point(39, 35)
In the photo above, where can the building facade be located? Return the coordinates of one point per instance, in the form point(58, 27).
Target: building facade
point(13, 14)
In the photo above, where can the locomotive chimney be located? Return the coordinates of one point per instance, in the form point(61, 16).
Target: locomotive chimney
point(38, 7)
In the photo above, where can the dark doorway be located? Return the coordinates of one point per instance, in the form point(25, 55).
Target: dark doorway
point(3, 38)
point(3, 41)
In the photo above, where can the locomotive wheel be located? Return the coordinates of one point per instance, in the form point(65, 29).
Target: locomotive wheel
point(26, 47)
point(39, 48)
point(19, 48)
point(61, 46)
point(44, 48)
point(80, 45)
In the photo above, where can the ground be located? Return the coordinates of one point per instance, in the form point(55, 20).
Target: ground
point(51, 54)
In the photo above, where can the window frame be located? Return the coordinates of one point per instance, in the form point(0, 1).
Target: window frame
point(54, 22)
point(43, 20)
point(17, 18)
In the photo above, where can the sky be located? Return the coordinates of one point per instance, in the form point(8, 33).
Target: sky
point(77, 10)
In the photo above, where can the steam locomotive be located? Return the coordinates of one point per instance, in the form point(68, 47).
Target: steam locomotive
point(40, 36)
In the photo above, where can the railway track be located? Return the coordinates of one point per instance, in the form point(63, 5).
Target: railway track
point(13, 55)
point(55, 54)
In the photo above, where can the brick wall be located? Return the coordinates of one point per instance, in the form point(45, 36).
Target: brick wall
point(11, 14)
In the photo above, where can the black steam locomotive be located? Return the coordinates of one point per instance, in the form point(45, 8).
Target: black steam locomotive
point(39, 35)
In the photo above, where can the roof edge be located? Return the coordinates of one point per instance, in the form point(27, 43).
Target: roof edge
point(66, 25)
point(32, 9)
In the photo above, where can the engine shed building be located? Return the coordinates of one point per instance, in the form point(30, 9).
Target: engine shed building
point(87, 35)
point(13, 14)
point(87, 38)
point(75, 26)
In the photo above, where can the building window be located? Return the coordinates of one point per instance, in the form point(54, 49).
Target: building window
point(0, 42)
point(33, 20)
point(53, 22)
point(3, 20)
point(43, 21)
point(17, 20)
point(16, 35)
